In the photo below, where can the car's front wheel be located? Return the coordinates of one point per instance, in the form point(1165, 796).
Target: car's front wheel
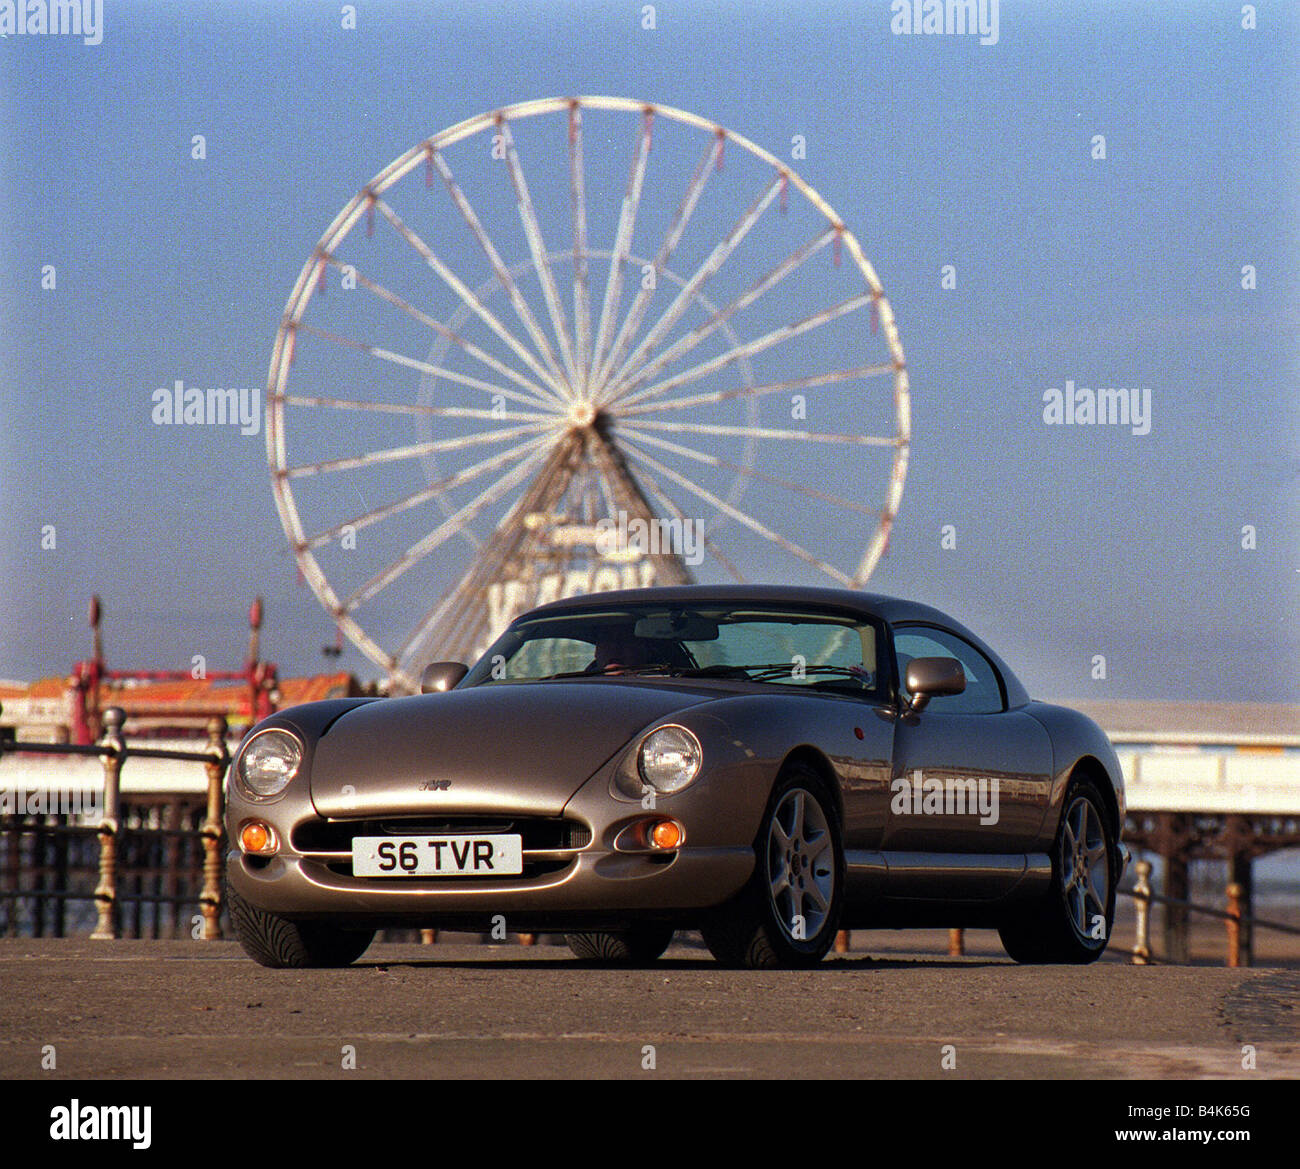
point(1072, 923)
point(275, 941)
point(788, 913)
point(639, 945)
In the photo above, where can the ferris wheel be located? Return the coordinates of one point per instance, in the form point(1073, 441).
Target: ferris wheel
point(575, 344)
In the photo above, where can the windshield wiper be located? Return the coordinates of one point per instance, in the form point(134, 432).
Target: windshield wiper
point(765, 673)
point(622, 671)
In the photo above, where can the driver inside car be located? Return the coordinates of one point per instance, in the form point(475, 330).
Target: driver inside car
point(618, 652)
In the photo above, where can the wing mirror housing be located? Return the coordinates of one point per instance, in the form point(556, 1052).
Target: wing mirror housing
point(440, 676)
point(932, 678)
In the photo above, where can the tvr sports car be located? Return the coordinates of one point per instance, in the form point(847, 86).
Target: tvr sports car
point(767, 765)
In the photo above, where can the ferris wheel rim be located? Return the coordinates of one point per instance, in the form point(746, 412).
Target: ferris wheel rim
point(369, 196)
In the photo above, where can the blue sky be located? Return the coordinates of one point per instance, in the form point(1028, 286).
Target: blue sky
point(1071, 541)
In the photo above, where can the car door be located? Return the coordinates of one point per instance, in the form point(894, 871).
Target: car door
point(968, 774)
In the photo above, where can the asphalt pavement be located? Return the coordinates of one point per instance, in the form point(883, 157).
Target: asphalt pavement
point(181, 1009)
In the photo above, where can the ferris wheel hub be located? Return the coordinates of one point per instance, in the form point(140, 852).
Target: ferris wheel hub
point(582, 414)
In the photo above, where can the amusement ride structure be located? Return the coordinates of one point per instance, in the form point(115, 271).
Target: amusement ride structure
point(504, 383)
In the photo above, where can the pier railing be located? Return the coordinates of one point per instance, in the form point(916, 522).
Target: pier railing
point(1238, 925)
point(173, 825)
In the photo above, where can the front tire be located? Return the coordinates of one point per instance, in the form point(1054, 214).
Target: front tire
point(1072, 924)
point(638, 946)
point(787, 915)
point(276, 942)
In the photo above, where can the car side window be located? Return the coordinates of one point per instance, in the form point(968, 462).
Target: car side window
point(983, 693)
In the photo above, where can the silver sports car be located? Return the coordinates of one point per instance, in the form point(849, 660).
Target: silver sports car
point(767, 765)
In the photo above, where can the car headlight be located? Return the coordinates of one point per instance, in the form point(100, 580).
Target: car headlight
point(669, 759)
point(269, 760)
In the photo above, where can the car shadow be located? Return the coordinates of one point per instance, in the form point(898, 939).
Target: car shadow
point(830, 965)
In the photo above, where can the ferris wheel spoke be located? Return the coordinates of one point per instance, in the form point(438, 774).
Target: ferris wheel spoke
point(555, 387)
point(388, 355)
point(417, 450)
point(537, 245)
point(767, 432)
point(429, 622)
point(739, 516)
point(451, 612)
point(498, 265)
point(407, 408)
point(346, 625)
point(466, 475)
point(812, 381)
point(690, 340)
point(711, 264)
point(665, 501)
point(723, 559)
point(751, 472)
point(749, 348)
point(444, 531)
point(622, 242)
point(581, 290)
point(672, 237)
point(536, 396)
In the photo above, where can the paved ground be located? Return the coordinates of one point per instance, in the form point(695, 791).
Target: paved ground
point(195, 1010)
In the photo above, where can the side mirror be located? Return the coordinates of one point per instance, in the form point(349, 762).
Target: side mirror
point(440, 676)
point(932, 678)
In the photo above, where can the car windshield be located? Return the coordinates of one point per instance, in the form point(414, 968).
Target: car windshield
point(796, 647)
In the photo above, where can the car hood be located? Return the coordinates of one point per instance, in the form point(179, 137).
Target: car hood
point(514, 747)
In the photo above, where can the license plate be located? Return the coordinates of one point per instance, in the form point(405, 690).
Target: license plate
point(437, 856)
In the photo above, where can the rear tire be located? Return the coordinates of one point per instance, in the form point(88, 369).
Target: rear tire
point(637, 946)
point(1063, 927)
point(787, 915)
point(280, 944)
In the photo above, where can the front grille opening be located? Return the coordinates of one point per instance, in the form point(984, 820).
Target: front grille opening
point(538, 833)
point(532, 870)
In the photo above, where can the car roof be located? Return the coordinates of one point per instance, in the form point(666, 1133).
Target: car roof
point(893, 610)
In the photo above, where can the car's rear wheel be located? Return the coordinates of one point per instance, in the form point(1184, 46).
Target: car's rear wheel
point(277, 942)
point(1072, 923)
point(789, 911)
point(630, 947)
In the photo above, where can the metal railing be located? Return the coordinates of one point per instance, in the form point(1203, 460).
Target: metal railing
point(113, 751)
point(1144, 896)
point(1231, 916)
